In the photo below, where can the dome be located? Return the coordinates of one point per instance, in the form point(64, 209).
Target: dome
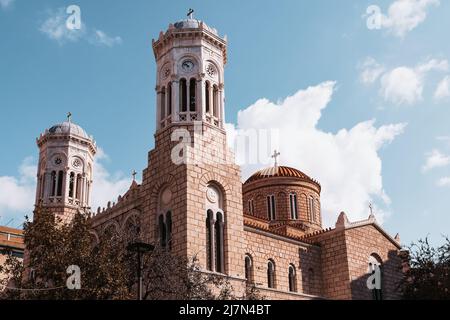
point(69, 128)
point(193, 24)
point(275, 172)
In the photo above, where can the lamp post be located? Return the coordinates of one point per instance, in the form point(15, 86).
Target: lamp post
point(140, 248)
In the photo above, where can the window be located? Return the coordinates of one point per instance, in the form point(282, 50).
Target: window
point(162, 231)
point(169, 99)
point(192, 93)
point(375, 267)
point(251, 207)
point(271, 274)
point(207, 98)
point(219, 254)
point(271, 207)
point(292, 279)
point(215, 101)
point(60, 183)
point(163, 103)
point(53, 183)
point(248, 269)
point(183, 95)
point(169, 229)
point(209, 240)
point(312, 209)
point(293, 206)
point(71, 184)
point(79, 186)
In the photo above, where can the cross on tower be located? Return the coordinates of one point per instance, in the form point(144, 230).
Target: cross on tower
point(69, 115)
point(275, 156)
point(371, 208)
point(190, 12)
point(134, 175)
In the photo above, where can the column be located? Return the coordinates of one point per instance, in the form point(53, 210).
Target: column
point(158, 108)
point(200, 95)
point(188, 94)
point(175, 100)
point(222, 105)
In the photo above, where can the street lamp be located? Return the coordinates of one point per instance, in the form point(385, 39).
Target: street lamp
point(140, 248)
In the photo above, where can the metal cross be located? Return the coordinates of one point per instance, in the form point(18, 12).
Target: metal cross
point(190, 12)
point(134, 175)
point(275, 156)
point(371, 208)
point(69, 115)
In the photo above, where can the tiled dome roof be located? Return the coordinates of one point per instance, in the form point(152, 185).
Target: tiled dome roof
point(68, 128)
point(280, 171)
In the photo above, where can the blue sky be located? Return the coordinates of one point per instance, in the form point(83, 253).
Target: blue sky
point(277, 49)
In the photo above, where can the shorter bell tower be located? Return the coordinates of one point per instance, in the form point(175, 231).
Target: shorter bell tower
point(64, 177)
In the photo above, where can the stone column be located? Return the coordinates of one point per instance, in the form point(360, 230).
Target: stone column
point(175, 100)
point(158, 108)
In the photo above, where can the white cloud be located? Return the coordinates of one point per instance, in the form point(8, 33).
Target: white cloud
point(371, 70)
point(346, 163)
point(17, 194)
point(405, 85)
point(444, 182)
point(443, 89)
point(6, 3)
point(405, 15)
point(101, 38)
point(55, 28)
point(106, 186)
point(435, 159)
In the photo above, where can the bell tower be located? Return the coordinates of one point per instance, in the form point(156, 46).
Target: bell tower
point(192, 186)
point(190, 59)
point(66, 160)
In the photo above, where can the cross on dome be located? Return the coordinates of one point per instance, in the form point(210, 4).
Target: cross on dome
point(275, 156)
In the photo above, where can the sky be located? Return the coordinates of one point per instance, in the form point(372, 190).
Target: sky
point(359, 91)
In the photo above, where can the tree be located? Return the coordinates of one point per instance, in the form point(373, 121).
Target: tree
point(428, 277)
point(108, 269)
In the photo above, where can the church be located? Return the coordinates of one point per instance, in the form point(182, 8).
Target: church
point(265, 232)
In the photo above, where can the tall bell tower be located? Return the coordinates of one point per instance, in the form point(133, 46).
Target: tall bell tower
point(66, 160)
point(192, 186)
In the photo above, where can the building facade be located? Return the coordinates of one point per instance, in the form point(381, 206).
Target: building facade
point(265, 232)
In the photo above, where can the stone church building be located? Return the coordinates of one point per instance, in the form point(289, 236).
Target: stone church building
point(267, 231)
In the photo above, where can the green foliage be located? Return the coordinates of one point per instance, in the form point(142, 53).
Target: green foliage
point(428, 277)
point(108, 269)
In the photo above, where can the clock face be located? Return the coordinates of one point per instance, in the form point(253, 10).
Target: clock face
point(211, 70)
point(187, 65)
point(58, 161)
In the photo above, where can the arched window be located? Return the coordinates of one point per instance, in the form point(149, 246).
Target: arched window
point(210, 240)
point(60, 183)
point(53, 177)
point(169, 98)
point(163, 103)
point(192, 94)
point(251, 207)
point(79, 187)
point(292, 279)
point(375, 268)
point(312, 209)
point(183, 95)
point(218, 228)
point(293, 206)
point(41, 191)
point(162, 231)
point(271, 274)
point(169, 228)
point(271, 207)
point(215, 101)
point(207, 97)
point(248, 269)
point(71, 184)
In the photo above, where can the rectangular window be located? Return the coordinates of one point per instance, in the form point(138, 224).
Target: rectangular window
point(271, 207)
point(293, 206)
point(251, 207)
point(312, 210)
